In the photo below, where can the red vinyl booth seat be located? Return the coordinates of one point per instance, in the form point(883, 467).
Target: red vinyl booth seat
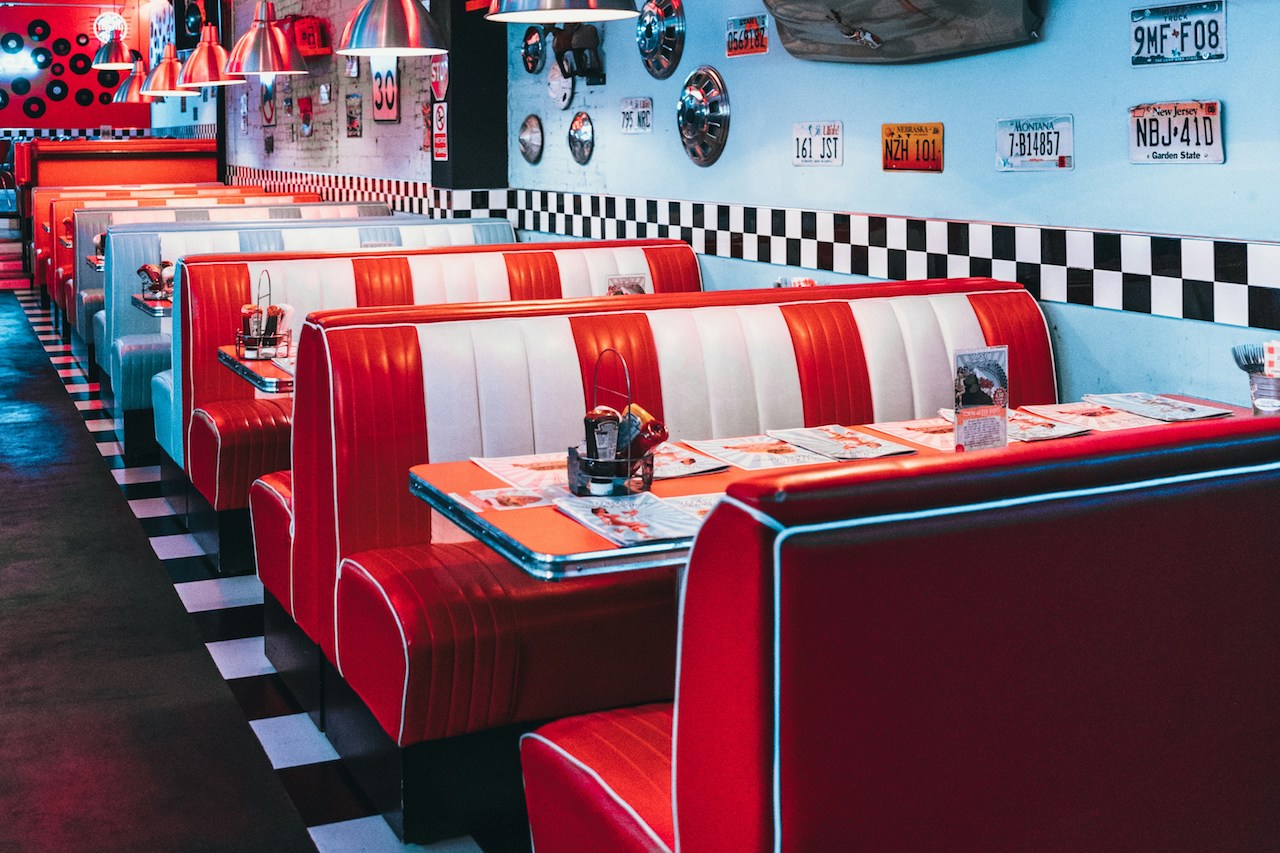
point(234, 436)
point(1062, 646)
point(408, 609)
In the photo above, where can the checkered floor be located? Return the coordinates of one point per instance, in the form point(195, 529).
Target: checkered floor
point(228, 613)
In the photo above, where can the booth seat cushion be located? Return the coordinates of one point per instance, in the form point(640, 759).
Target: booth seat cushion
point(101, 352)
point(254, 432)
point(134, 360)
point(88, 303)
point(162, 400)
point(444, 639)
point(601, 781)
point(271, 514)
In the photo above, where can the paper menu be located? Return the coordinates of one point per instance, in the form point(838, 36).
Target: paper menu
point(672, 460)
point(1024, 426)
point(697, 505)
point(840, 442)
point(1091, 416)
point(530, 471)
point(758, 452)
point(937, 433)
point(631, 519)
point(1156, 407)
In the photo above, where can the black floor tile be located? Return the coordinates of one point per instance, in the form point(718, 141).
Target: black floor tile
point(138, 491)
point(325, 793)
point(163, 525)
point(183, 569)
point(230, 623)
point(263, 696)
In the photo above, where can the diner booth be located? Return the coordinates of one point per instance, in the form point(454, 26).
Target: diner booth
point(704, 458)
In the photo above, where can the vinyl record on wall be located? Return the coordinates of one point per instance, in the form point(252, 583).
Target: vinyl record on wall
point(11, 43)
point(4, 99)
point(42, 57)
point(61, 47)
point(84, 97)
point(20, 85)
point(80, 64)
point(38, 29)
point(58, 69)
point(104, 98)
point(82, 39)
point(33, 107)
point(109, 79)
point(57, 90)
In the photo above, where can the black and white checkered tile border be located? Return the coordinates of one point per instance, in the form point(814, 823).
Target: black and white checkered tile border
point(76, 132)
point(1222, 281)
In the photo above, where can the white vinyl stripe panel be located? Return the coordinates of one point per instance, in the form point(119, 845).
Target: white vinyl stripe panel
point(177, 244)
point(439, 235)
point(319, 239)
point(932, 371)
point(885, 352)
point(586, 272)
point(238, 213)
point(147, 214)
point(468, 277)
point(307, 285)
point(958, 323)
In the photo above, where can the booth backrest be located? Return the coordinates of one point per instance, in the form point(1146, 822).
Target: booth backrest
point(496, 380)
point(1041, 648)
point(211, 289)
point(68, 262)
point(45, 230)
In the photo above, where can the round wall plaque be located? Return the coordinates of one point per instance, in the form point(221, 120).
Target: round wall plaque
point(533, 50)
point(703, 115)
point(531, 139)
point(559, 87)
point(660, 36)
point(582, 138)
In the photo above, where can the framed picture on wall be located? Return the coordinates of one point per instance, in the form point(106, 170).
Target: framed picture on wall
point(269, 104)
point(385, 72)
point(355, 122)
point(326, 90)
point(353, 66)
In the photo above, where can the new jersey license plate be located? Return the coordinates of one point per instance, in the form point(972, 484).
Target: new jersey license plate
point(1176, 132)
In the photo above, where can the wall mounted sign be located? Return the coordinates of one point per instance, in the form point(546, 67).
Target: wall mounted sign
point(1176, 132)
point(439, 131)
point(1035, 144)
point(747, 35)
point(110, 22)
point(1182, 32)
point(326, 92)
point(817, 143)
point(440, 76)
point(637, 115)
point(386, 87)
point(912, 147)
point(355, 117)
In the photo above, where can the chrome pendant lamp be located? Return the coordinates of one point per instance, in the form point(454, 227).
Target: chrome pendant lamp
point(130, 91)
point(560, 11)
point(207, 63)
point(391, 28)
point(113, 55)
point(265, 48)
point(162, 82)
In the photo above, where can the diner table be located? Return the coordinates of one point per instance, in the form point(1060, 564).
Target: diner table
point(268, 375)
point(549, 544)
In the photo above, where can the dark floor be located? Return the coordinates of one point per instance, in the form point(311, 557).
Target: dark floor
point(134, 713)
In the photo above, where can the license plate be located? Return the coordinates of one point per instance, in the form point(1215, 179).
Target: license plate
point(1178, 132)
point(1184, 32)
point(1036, 143)
point(747, 35)
point(911, 147)
point(637, 115)
point(817, 143)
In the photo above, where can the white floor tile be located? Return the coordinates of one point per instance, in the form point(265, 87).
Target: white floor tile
point(63, 359)
point(151, 507)
point(110, 448)
point(220, 593)
point(49, 337)
point(373, 835)
point(44, 327)
point(71, 373)
point(240, 658)
point(100, 425)
point(175, 546)
point(292, 740)
point(56, 348)
point(89, 405)
point(83, 386)
point(141, 474)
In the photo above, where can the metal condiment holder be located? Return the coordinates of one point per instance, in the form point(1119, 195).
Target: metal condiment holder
point(155, 290)
point(255, 344)
point(622, 475)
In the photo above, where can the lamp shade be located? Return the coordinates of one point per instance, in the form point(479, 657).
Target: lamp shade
point(162, 82)
point(113, 55)
point(130, 91)
point(391, 28)
point(265, 48)
point(206, 64)
point(560, 11)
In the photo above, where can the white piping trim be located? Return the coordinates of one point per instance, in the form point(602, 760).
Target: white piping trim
point(626, 807)
point(937, 512)
point(217, 459)
point(404, 643)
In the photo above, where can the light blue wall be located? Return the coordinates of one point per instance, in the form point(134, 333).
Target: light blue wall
point(1080, 66)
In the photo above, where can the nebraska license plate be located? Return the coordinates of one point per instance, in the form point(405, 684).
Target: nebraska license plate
point(1183, 32)
point(1176, 132)
point(911, 147)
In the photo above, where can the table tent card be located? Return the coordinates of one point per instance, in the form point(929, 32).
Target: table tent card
point(758, 452)
point(982, 398)
point(1024, 426)
point(840, 442)
point(1156, 407)
point(631, 519)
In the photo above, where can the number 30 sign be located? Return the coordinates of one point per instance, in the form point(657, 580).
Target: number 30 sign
point(386, 88)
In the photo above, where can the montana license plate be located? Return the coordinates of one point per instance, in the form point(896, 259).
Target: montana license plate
point(1034, 143)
